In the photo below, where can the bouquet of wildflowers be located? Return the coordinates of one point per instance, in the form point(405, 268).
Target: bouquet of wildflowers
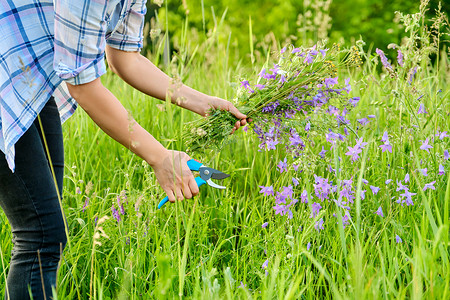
point(303, 80)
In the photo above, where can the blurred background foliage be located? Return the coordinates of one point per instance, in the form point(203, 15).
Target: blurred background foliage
point(251, 28)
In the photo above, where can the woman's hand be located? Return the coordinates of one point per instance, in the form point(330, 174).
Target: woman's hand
point(203, 106)
point(175, 177)
point(228, 106)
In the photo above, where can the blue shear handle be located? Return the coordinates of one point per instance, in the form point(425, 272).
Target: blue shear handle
point(199, 181)
point(194, 165)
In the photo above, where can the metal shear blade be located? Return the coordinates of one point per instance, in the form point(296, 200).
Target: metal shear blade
point(219, 176)
point(209, 181)
point(207, 173)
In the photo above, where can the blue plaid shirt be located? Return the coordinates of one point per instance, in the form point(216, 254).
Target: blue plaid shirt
point(46, 43)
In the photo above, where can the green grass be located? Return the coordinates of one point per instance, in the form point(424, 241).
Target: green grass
point(204, 248)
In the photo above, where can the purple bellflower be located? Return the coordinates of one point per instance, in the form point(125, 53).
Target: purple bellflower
point(304, 196)
point(319, 225)
point(266, 190)
point(374, 189)
point(422, 109)
point(424, 172)
point(429, 186)
point(406, 180)
point(322, 153)
point(441, 170)
point(282, 165)
point(265, 264)
point(380, 212)
point(425, 146)
point(385, 137)
point(441, 135)
point(408, 197)
point(386, 147)
point(315, 207)
point(354, 152)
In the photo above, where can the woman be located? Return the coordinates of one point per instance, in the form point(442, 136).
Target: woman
point(52, 53)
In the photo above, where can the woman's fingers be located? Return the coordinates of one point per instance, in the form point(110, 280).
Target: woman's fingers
point(179, 194)
point(228, 106)
point(185, 185)
point(240, 123)
point(243, 120)
point(194, 187)
point(170, 195)
point(232, 109)
point(187, 191)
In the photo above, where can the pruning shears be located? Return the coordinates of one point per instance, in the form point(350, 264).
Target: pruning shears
point(206, 174)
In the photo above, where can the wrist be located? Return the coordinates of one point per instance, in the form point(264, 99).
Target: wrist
point(156, 156)
point(193, 100)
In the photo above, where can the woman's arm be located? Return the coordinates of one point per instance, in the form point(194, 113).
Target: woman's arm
point(80, 35)
point(170, 167)
point(143, 75)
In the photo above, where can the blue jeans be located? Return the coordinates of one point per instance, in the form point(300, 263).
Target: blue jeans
point(30, 202)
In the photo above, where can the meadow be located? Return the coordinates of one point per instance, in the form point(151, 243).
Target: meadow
point(365, 204)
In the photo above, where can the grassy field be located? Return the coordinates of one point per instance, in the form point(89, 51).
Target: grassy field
point(215, 246)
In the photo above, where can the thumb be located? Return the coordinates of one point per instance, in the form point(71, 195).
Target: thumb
point(186, 156)
point(237, 113)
